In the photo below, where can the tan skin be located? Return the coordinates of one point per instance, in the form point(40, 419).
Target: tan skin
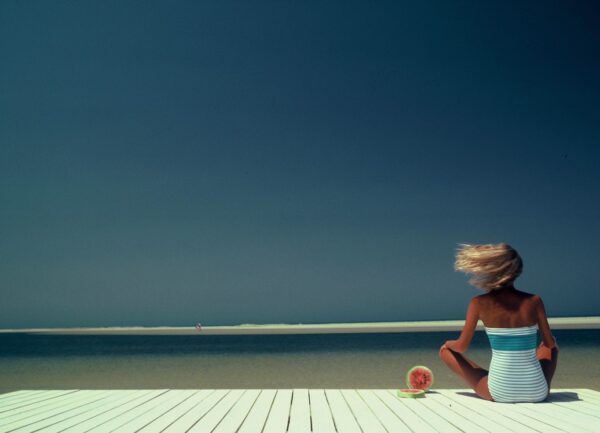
point(506, 307)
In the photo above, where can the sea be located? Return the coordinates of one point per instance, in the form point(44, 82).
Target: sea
point(42, 361)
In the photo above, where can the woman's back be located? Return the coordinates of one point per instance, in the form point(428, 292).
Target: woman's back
point(512, 308)
point(507, 308)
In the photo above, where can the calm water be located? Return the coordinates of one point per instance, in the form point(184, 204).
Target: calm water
point(261, 361)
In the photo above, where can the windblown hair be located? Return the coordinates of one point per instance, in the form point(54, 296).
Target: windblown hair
point(492, 265)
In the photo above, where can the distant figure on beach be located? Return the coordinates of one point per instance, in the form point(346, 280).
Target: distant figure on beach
point(198, 326)
point(518, 371)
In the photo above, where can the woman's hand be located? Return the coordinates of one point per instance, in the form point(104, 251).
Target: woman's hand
point(554, 346)
point(450, 344)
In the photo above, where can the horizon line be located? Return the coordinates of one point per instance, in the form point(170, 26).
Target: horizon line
point(578, 322)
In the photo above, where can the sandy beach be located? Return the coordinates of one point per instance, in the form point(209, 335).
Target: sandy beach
point(589, 322)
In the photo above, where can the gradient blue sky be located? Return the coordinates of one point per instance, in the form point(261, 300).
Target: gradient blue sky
point(163, 163)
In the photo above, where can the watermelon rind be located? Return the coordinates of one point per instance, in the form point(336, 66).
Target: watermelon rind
point(410, 393)
point(408, 382)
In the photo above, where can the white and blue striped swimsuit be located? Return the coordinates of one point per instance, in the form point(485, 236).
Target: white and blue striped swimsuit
point(515, 372)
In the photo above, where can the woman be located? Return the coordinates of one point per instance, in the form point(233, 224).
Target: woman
point(518, 372)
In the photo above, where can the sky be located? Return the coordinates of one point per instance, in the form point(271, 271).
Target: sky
point(225, 162)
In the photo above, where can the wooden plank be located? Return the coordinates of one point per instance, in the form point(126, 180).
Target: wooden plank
point(343, 417)
point(451, 415)
point(33, 423)
point(174, 398)
point(539, 421)
point(115, 399)
point(483, 423)
point(424, 411)
point(469, 413)
point(279, 416)
point(17, 395)
point(238, 413)
point(26, 415)
point(587, 400)
point(187, 420)
point(519, 417)
point(13, 393)
point(580, 406)
point(562, 395)
point(586, 394)
point(117, 423)
point(402, 410)
point(384, 414)
point(300, 412)
point(549, 413)
point(590, 400)
point(133, 400)
point(35, 399)
point(257, 418)
point(218, 412)
point(320, 412)
point(366, 419)
point(487, 409)
point(525, 420)
point(41, 407)
point(176, 412)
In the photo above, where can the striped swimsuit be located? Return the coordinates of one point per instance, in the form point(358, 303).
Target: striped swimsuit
point(515, 372)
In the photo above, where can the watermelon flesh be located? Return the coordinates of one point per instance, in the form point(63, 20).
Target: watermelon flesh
point(419, 377)
point(411, 393)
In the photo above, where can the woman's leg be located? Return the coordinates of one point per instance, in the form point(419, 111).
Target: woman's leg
point(475, 376)
point(548, 359)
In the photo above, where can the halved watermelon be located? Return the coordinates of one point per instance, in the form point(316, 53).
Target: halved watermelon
point(419, 377)
point(411, 393)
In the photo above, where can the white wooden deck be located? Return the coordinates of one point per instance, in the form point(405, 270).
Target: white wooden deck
point(284, 410)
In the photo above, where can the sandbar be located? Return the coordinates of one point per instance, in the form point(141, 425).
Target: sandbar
point(588, 322)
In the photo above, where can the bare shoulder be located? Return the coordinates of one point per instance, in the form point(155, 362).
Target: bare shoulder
point(477, 300)
point(536, 301)
point(481, 299)
point(532, 302)
point(532, 297)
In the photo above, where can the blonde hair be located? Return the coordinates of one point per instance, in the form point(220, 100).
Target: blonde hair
point(492, 265)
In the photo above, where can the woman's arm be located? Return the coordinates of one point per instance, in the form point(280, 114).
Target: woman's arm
point(462, 344)
point(542, 320)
